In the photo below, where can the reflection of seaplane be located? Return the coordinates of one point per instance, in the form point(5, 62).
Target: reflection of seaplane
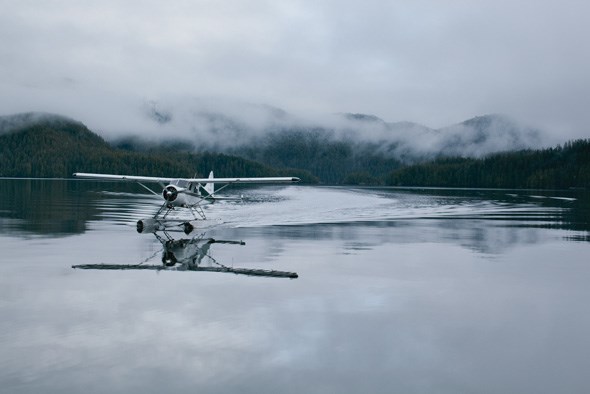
point(189, 255)
point(189, 193)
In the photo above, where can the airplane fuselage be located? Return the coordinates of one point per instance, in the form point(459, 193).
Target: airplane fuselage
point(184, 195)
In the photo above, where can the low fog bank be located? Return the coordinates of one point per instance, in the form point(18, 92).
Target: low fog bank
point(230, 126)
point(222, 125)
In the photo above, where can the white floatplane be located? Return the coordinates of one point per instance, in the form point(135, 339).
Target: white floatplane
point(190, 193)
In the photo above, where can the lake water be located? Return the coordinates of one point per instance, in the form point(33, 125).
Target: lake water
point(399, 290)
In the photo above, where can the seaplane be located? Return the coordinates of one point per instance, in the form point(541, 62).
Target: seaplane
point(177, 193)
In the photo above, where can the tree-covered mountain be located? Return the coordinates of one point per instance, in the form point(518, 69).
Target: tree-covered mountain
point(566, 166)
point(348, 148)
point(223, 126)
point(344, 158)
point(316, 151)
point(45, 145)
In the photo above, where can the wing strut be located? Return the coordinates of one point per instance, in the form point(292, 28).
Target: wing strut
point(147, 188)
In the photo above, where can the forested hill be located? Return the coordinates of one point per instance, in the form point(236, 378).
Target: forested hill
point(331, 160)
point(348, 148)
point(561, 167)
point(44, 145)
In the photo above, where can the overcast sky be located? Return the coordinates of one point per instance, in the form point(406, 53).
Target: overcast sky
point(435, 62)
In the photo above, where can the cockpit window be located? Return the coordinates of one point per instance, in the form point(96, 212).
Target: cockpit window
point(182, 183)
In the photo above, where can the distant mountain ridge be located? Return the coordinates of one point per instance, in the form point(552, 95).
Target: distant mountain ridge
point(349, 143)
point(210, 129)
point(47, 145)
point(354, 148)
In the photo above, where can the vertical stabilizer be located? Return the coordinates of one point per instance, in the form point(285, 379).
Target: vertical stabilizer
point(210, 187)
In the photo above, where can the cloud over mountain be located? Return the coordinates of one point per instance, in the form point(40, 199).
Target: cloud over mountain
point(424, 61)
point(229, 125)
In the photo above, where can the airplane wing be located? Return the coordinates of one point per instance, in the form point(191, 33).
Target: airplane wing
point(148, 179)
point(244, 180)
point(129, 178)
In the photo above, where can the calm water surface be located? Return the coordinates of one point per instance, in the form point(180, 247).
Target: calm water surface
point(399, 290)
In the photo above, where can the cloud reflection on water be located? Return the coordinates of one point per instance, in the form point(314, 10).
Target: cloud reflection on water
point(432, 303)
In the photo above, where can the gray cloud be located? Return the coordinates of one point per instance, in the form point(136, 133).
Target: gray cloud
point(436, 63)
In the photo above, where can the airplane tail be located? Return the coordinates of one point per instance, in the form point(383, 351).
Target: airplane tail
point(210, 187)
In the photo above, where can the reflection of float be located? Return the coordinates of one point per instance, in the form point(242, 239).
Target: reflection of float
point(189, 255)
point(153, 225)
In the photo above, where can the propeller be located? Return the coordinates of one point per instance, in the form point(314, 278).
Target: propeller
point(170, 193)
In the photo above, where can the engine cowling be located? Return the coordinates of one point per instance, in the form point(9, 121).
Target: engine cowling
point(170, 193)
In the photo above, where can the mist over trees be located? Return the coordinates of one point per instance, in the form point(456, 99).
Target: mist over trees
point(45, 145)
point(232, 127)
point(340, 148)
point(553, 168)
point(55, 147)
